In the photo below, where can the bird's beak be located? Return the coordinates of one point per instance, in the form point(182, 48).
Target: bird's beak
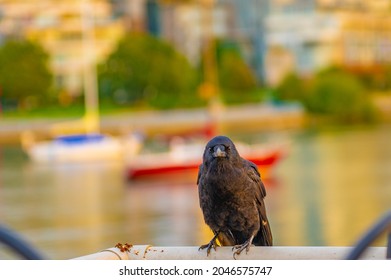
point(219, 153)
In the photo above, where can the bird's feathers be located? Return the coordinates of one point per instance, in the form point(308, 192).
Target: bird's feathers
point(231, 195)
point(264, 235)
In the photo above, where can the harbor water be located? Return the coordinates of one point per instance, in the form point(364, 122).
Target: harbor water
point(329, 189)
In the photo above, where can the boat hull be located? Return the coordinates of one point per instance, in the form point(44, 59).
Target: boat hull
point(82, 148)
point(264, 161)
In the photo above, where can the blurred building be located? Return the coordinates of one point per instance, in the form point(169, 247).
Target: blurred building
point(246, 26)
point(280, 36)
point(190, 24)
point(365, 37)
point(306, 35)
point(274, 36)
point(132, 12)
point(58, 26)
point(299, 38)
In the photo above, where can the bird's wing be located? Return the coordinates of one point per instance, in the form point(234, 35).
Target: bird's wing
point(199, 173)
point(264, 236)
point(255, 176)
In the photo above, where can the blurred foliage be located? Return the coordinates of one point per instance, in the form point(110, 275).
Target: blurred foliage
point(291, 88)
point(237, 81)
point(334, 92)
point(25, 79)
point(146, 70)
point(375, 79)
point(339, 93)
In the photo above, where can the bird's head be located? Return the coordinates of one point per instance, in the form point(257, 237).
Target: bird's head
point(220, 147)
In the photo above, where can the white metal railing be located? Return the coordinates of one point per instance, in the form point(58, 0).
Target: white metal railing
point(141, 252)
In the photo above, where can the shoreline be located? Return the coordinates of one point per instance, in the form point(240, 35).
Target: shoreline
point(254, 117)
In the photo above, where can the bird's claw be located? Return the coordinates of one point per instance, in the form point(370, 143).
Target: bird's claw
point(239, 248)
point(208, 247)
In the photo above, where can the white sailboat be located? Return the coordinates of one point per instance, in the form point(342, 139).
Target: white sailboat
point(89, 145)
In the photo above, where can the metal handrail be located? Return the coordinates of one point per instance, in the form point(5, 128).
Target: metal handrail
point(147, 252)
point(15, 242)
point(129, 252)
point(381, 227)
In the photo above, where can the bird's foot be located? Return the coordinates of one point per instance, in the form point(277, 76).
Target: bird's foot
point(239, 248)
point(209, 246)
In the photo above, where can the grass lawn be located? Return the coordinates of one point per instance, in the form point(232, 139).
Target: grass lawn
point(60, 112)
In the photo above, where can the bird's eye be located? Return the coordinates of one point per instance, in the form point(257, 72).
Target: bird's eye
point(211, 149)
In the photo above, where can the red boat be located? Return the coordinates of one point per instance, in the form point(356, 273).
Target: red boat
point(185, 158)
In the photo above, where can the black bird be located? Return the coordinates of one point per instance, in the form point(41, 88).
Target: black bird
point(231, 197)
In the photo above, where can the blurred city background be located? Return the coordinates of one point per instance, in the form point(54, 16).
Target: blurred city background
point(105, 103)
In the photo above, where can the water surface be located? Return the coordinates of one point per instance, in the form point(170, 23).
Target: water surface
point(329, 189)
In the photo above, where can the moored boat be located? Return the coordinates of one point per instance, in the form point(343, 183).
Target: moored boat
point(78, 148)
point(183, 157)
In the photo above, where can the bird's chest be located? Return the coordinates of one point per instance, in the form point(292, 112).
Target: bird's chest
point(229, 211)
point(225, 178)
point(225, 184)
point(224, 195)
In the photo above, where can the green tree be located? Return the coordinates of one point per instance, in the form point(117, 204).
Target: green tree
point(146, 69)
point(338, 93)
point(236, 79)
point(376, 79)
point(25, 79)
point(291, 88)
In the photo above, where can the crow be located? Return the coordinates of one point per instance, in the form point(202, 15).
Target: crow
point(231, 197)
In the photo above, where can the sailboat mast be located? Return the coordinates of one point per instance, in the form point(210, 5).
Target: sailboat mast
point(91, 100)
